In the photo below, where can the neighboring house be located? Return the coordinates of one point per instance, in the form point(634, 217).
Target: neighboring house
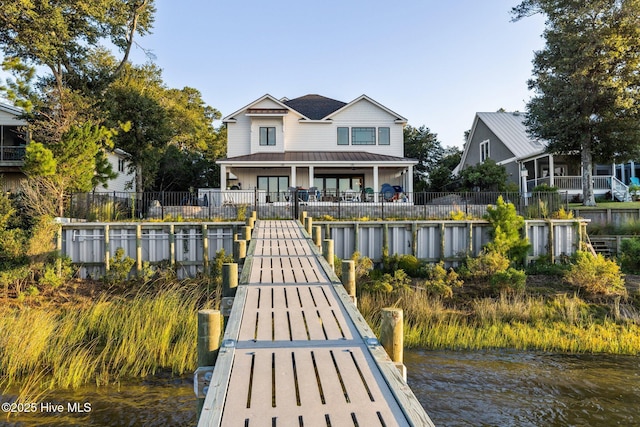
point(125, 180)
point(503, 137)
point(13, 140)
point(337, 149)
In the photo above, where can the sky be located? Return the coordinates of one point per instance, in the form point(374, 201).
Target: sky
point(434, 62)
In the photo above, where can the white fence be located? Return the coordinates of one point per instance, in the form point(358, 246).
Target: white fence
point(92, 246)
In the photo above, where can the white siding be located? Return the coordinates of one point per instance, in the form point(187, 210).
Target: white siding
point(123, 178)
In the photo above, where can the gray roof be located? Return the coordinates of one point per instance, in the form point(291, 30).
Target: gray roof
point(511, 130)
point(315, 107)
point(314, 156)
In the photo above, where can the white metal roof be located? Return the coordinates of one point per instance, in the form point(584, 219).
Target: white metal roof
point(511, 130)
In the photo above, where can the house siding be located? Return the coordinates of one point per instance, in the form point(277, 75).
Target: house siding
point(498, 151)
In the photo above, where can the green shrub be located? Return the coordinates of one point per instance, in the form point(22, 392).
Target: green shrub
point(486, 265)
point(440, 281)
point(398, 281)
point(596, 274)
point(119, 268)
point(510, 280)
point(506, 233)
point(630, 255)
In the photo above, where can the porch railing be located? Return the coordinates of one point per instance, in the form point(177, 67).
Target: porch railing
point(11, 153)
point(236, 205)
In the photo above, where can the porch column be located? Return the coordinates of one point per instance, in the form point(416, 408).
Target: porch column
point(223, 177)
point(293, 176)
point(623, 174)
point(551, 171)
point(375, 184)
point(409, 186)
point(633, 169)
point(311, 176)
point(535, 172)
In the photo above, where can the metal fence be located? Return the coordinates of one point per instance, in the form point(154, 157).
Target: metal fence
point(235, 204)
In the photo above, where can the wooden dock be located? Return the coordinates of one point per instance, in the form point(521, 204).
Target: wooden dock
point(297, 352)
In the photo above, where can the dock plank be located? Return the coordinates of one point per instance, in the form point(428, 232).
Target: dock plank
point(297, 352)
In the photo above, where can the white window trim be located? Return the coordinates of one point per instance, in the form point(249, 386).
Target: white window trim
point(485, 146)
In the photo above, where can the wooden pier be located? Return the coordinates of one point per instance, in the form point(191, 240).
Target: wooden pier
point(296, 351)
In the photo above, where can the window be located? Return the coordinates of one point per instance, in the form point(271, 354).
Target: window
point(343, 136)
point(383, 136)
point(363, 136)
point(484, 150)
point(277, 187)
point(267, 136)
point(121, 164)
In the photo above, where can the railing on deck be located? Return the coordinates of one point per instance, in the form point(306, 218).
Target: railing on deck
point(236, 204)
point(12, 153)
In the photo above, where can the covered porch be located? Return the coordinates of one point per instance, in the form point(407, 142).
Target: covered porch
point(319, 177)
point(565, 173)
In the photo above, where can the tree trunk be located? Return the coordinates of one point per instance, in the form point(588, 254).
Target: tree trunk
point(588, 198)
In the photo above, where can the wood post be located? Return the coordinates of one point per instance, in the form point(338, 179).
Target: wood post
point(208, 345)
point(327, 251)
point(317, 235)
point(349, 278)
point(139, 249)
point(308, 224)
point(239, 250)
point(205, 249)
point(251, 221)
point(254, 215)
point(303, 215)
point(246, 234)
point(59, 255)
point(208, 336)
point(391, 333)
point(172, 245)
point(229, 279)
point(107, 248)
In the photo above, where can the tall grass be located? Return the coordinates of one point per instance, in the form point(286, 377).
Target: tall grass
point(560, 323)
point(111, 339)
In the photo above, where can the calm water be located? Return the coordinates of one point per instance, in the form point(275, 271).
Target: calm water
point(490, 388)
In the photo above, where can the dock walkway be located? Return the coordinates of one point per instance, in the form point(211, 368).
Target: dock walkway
point(296, 351)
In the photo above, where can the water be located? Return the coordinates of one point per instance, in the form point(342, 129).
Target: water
point(504, 388)
point(487, 388)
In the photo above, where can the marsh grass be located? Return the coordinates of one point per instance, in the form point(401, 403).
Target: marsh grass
point(111, 339)
point(562, 323)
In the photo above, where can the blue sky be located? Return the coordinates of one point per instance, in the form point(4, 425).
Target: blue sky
point(434, 62)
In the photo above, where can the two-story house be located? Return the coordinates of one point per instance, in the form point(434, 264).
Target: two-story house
point(13, 140)
point(332, 147)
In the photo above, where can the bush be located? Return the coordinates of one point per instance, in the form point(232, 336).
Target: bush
point(510, 280)
point(441, 282)
point(596, 274)
point(630, 255)
point(119, 268)
point(486, 265)
point(410, 264)
point(399, 281)
point(506, 233)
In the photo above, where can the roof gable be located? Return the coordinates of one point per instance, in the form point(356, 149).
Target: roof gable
point(315, 107)
point(511, 130)
point(365, 98)
point(266, 102)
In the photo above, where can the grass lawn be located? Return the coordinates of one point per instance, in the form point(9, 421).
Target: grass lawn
point(607, 205)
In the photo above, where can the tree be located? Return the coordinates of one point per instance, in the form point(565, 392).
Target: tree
point(56, 34)
point(485, 176)
point(70, 165)
point(587, 81)
point(441, 177)
point(422, 145)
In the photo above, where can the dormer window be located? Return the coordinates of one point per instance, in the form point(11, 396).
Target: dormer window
point(267, 136)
